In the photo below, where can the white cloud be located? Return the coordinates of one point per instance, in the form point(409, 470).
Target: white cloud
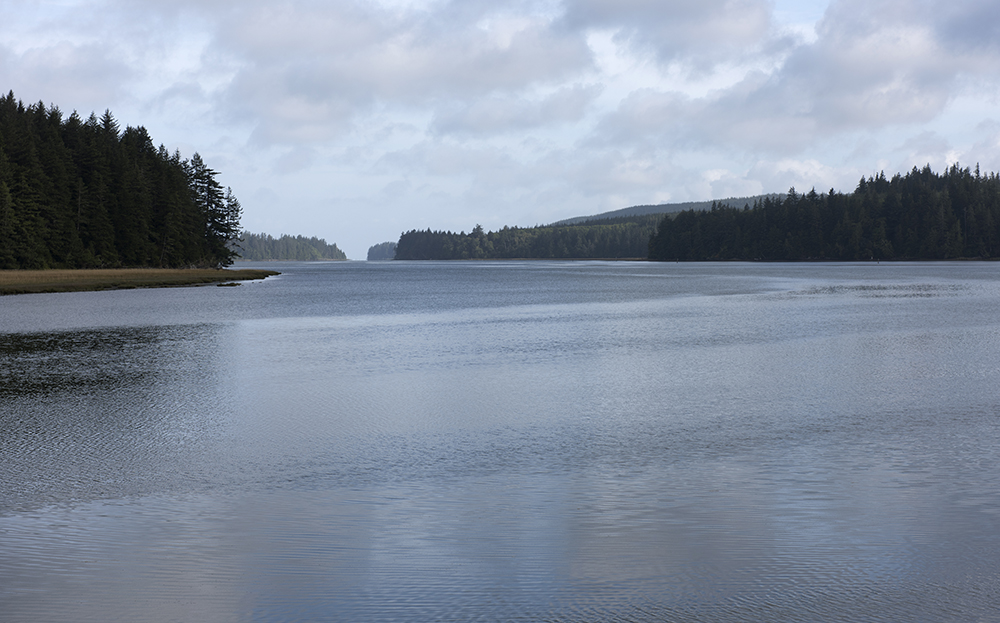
point(873, 66)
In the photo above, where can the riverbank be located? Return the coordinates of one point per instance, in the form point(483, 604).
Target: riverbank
point(37, 281)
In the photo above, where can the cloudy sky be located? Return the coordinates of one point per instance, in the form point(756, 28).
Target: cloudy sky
point(356, 120)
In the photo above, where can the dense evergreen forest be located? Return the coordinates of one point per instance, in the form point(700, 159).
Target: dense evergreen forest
point(79, 193)
point(626, 237)
point(921, 215)
point(382, 251)
point(263, 247)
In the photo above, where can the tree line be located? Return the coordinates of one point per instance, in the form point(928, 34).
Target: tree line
point(625, 237)
point(920, 215)
point(264, 247)
point(82, 193)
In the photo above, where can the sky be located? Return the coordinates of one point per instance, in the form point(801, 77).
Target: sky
point(356, 121)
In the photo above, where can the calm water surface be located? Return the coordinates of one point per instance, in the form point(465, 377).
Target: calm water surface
point(536, 441)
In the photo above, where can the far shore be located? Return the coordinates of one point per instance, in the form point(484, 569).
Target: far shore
point(90, 279)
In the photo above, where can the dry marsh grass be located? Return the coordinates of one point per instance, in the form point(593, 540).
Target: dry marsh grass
point(34, 281)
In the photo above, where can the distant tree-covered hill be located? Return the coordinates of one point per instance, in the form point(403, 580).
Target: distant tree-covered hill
point(382, 251)
point(626, 237)
point(77, 193)
point(666, 208)
point(263, 247)
point(921, 215)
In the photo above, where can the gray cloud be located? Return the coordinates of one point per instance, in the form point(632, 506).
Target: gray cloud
point(924, 148)
point(295, 160)
point(499, 114)
point(972, 25)
point(324, 65)
point(86, 76)
point(699, 32)
point(987, 148)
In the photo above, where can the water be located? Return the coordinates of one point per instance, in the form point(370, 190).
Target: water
point(536, 441)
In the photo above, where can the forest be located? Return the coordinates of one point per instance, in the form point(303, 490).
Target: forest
point(82, 193)
point(382, 251)
point(918, 216)
point(263, 247)
point(624, 237)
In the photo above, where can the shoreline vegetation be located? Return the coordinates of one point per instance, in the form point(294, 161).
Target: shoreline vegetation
point(85, 205)
point(919, 216)
point(922, 215)
point(94, 279)
point(382, 251)
point(81, 192)
point(614, 238)
point(266, 248)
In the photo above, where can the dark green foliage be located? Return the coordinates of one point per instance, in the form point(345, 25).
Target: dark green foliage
point(382, 251)
point(262, 247)
point(625, 237)
point(921, 215)
point(84, 194)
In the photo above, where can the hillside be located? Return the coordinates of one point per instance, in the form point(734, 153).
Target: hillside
point(666, 208)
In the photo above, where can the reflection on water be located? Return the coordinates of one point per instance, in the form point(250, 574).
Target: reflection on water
point(503, 441)
point(104, 413)
point(87, 362)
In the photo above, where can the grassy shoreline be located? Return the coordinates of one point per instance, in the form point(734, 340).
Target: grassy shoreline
point(38, 281)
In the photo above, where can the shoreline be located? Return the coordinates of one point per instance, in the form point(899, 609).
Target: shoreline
point(96, 279)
